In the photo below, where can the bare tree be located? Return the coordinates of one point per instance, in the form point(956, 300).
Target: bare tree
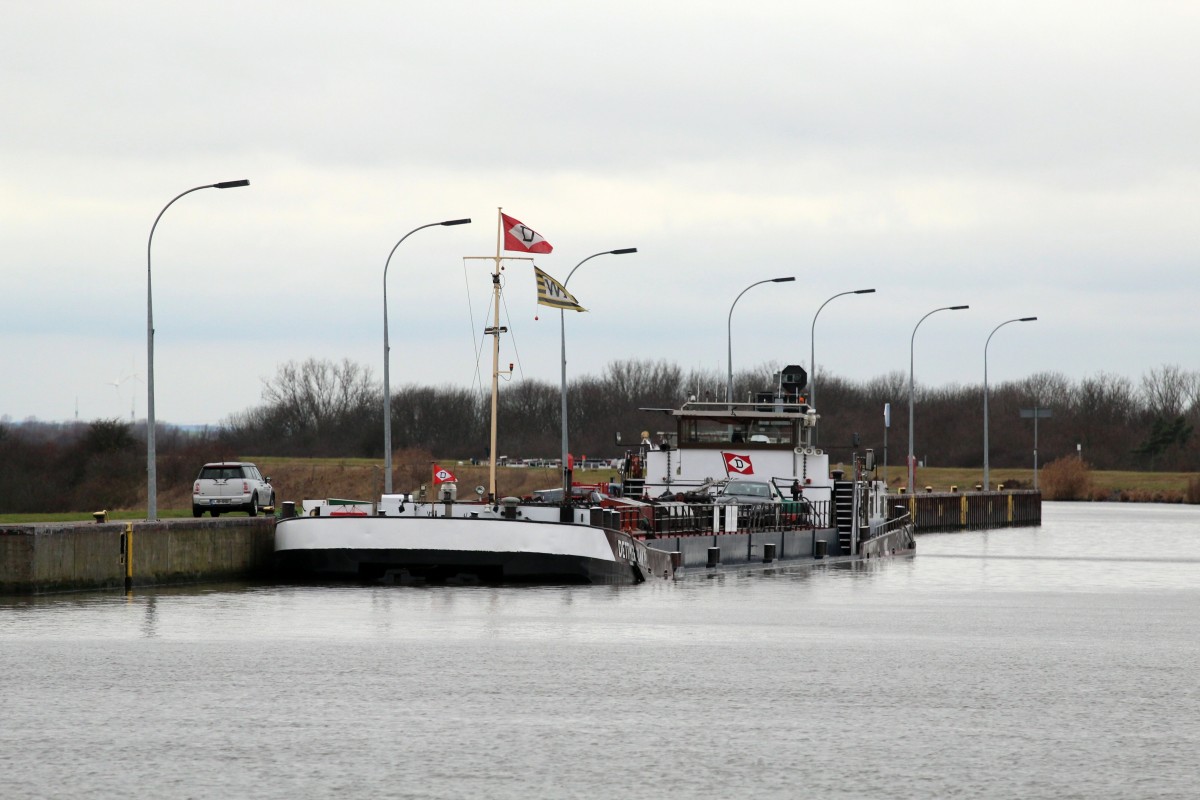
point(1169, 391)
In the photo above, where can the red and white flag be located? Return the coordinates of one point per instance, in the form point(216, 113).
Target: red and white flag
point(518, 236)
point(738, 463)
point(443, 475)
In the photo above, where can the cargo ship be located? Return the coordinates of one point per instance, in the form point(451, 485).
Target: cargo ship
point(725, 485)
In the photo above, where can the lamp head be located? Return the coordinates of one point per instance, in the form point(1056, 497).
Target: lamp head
point(958, 308)
point(782, 280)
point(865, 291)
point(622, 251)
point(231, 184)
point(466, 221)
point(1027, 319)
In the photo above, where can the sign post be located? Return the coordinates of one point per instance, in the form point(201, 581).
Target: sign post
point(1035, 413)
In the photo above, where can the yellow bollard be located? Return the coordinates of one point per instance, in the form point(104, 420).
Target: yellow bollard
point(128, 556)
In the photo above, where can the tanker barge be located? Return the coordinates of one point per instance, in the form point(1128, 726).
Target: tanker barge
point(725, 484)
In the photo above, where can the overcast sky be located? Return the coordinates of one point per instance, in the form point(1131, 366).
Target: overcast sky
point(1026, 158)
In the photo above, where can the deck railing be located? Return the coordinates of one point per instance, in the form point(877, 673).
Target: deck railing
point(697, 519)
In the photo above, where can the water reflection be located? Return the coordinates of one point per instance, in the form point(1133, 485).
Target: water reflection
point(1046, 648)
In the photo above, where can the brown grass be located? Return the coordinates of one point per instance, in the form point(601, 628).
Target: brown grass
point(362, 478)
point(1067, 478)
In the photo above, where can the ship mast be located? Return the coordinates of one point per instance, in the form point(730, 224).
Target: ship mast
point(494, 331)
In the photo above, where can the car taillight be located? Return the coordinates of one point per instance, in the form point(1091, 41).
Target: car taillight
point(245, 486)
point(196, 488)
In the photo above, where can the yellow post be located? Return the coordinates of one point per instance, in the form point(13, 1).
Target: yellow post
point(128, 556)
point(962, 520)
point(1010, 508)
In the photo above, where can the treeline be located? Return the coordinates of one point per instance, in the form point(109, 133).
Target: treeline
point(328, 409)
point(320, 408)
point(88, 466)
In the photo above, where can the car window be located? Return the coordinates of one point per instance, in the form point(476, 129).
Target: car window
point(210, 473)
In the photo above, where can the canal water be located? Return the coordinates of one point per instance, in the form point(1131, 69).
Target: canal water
point(1051, 662)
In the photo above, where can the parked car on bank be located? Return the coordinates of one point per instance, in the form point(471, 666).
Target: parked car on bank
point(231, 486)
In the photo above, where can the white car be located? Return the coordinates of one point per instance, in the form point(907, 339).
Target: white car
point(231, 486)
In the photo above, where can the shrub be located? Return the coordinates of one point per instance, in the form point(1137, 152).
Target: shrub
point(1067, 478)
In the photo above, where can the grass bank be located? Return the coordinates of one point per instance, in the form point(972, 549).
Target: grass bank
point(1107, 485)
point(362, 478)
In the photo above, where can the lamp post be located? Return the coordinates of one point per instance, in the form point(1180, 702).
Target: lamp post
point(151, 471)
point(387, 388)
point(912, 464)
point(986, 475)
point(812, 350)
point(562, 323)
point(729, 332)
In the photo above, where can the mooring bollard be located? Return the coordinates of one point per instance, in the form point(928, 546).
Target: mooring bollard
point(127, 540)
point(819, 548)
point(714, 556)
point(768, 552)
point(100, 516)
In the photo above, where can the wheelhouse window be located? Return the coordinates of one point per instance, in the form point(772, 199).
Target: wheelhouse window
point(700, 432)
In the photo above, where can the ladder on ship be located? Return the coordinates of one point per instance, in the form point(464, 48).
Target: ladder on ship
point(843, 514)
point(633, 487)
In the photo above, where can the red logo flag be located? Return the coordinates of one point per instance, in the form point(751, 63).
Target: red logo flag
point(443, 475)
point(737, 463)
point(519, 237)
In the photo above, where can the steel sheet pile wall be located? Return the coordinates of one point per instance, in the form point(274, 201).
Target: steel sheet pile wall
point(81, 556)
point(955, 511)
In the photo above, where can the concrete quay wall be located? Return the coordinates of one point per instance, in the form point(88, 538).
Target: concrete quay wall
point(77, 556)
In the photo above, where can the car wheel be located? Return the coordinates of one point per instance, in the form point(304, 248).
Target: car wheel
point(197, 511)
point(214, 513)
point(253, 509)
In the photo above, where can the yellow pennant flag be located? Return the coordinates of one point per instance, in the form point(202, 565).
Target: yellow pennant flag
point(554, 294)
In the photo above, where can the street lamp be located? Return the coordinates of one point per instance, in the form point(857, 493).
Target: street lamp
point(912, 464)
point(562, 323)
point(812, 354)
point(151, 471)
point(729, 332)
point(986, 475)
point(387, 388)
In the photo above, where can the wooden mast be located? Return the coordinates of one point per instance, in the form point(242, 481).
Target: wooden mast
point(494, 331)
